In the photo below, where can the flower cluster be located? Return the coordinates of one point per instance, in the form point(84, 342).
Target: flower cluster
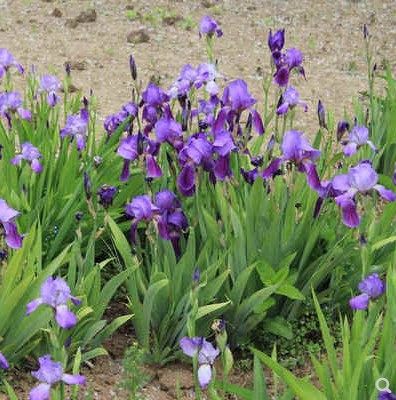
point(285, 62)
point(77, 128)
point(206, 353)
point(370, 287)
point(165, 212)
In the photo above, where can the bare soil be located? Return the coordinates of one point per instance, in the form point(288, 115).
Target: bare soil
point(97, 37)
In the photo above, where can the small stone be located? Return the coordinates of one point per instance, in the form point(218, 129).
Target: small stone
point(56, 13)
point(208, 3)
point(72, 89)
point(172, 19)
point(138, 36)
point(71, 23)
point(87, 16)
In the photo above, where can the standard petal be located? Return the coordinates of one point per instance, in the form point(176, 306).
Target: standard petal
point(40, 392)
point(204, 375)
point(190, 346)
point(36, 166)
point(6, 212)
point(350, 149)
point(73, 379)
point(64, 317)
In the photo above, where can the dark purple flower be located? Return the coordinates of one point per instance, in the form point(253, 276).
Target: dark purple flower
point(7, 61)
point(113, 121)
point(276, 41)
point(154, 96)
point(10, 103)
point(186, 180)
point(166, 200)
point(222, 169)
point(141, 208)
point(281, 76)
point(205, 352)
point(293, 58)
point(167, 129)
point(31, 154)
point(55, 293)
point(208, 26)
point(370, 287)
point(51, 85)
point(386, 395)
point(223, 143)
point(290, 99)
point(250, 176)
point(357, 137)
point(106, 195)
point(50, 373)
point(237, 96)
point(7, 217)
point(3, 362)
point(198, 149)
point(77, 128)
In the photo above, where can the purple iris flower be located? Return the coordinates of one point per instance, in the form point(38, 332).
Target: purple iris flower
point(360, 179)
point(167, 129)
point(10, 103)
point(342, 127)
point(208, 26)
point(50, 373)
point(290, 99)
point(3, 362)
point(154, 96)
point(276, 41)
point(113, 121)
point(206, 353)
point(77, 128)
point(139, 209)
point(51, 85)
point(55, 293)
point(106, 195)
point(186, 180)
point(7, 61)
point(236, 95)
point(370, 287)
point(357, 137)
point(7, 217)
point(197, 149)
point(31, 154)
point(296, 149)
point(223, 143)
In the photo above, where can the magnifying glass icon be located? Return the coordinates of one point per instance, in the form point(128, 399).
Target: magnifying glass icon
point(382, 385)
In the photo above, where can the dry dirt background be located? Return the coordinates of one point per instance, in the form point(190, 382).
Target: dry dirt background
point(47, 34)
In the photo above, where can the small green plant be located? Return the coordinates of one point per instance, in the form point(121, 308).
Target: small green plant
point(132, 15)
point(188, 23)
point(134, 377)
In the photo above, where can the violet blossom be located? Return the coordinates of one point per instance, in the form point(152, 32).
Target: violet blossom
point(106, 194)
point(77, 128)
point(7, 61)
point(3, 362)
point(360, 179)
point(290, 99)
point(114, 121)
point(357, 138)
point(51, 85)
point(370, 287)
point(7, 220)
point(210, 27)
point(11, 103)
point(56, 293)
point(386, 395)
point(50, 373)
point(31, 154)
point(205, 352)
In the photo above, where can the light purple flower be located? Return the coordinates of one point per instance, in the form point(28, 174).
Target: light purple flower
point(208, 26)
point(7, 61)
point(56, 293)
point(10, 103)
point(51, 85)
point(360, 179)
point(50, 373)
point(206, 354)
point(290, 99)
point(77, 128)
point(357, 137)
point(3, 362)
point(7, 217)
point(370, 287)
point(31, 154)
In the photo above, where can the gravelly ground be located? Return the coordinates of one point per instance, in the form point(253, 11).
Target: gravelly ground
point(328, 32)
